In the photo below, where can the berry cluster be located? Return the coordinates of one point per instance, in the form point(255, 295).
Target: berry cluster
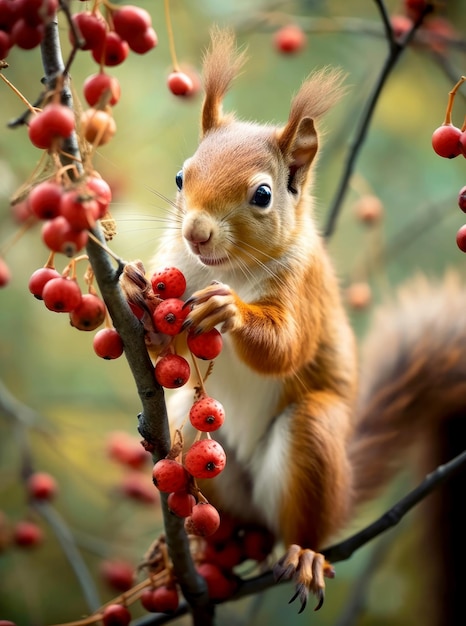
point(449, 141)
point(26, 532)
point(109, 38)
point(23, 23)
point(206, 457)
point(128, 451)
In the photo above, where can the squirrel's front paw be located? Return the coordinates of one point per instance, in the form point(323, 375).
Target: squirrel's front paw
point(213, 305)
point(307, 569)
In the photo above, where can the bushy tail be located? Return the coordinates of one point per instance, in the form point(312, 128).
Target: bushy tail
point(413, 395)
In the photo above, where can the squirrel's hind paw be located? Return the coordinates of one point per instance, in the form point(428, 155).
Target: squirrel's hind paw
point(307, 569)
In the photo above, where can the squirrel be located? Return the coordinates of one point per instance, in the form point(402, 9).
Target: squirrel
point(308, 437)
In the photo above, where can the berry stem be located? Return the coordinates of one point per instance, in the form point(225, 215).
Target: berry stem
point(451, 99)
point(19, 94)
point(50, 264)
point(171, 38)
point(199, 375)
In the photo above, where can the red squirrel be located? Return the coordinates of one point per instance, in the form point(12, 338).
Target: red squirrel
point(305, 442)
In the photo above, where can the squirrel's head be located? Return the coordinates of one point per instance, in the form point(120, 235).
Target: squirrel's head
point(242, 195)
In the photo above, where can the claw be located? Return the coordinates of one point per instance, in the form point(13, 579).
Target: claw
point(307, 569)
point(320, 599)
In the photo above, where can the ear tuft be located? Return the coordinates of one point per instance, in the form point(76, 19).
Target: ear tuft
point(298, 141)
point(222, 63)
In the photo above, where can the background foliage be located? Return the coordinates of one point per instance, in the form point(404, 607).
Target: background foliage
point(51, 367)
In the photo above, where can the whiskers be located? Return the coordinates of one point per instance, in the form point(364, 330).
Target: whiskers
point(145, 229)
point(252, 253)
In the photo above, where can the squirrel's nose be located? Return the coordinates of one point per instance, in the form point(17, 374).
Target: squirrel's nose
point(198, 230)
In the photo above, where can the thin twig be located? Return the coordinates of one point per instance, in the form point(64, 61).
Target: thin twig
point(73, 555)
point(345, 549)
point(389, 35)
point(394, 54)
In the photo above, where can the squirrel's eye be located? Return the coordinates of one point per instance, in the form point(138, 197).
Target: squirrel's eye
point(179, 179)
point(262, 196)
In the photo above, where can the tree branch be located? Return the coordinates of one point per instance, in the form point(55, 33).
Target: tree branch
point(153, 423)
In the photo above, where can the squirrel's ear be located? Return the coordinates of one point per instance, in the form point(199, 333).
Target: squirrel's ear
point(298, 144)
point(298, 140)
point(222, 62)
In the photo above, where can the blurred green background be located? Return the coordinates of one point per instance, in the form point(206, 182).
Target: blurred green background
point(51, 367)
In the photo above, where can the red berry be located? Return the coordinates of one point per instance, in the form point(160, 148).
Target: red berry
point(144, 42)
point(203, 521)
point(101, 89)
point(206, 345)
point(27, 534)
point(226, 555)
point(163, 599)
point(135, 485)
point(369, 209)
point(37, 11)
point(6, 622)
point(62, 294)
point(401, 24)
point(8, 14)
point(101, 191)
point(113, 51)
point(92, 28)
point(117, 574)
point(169, 316)
point(108, 344)
point(290, 39)
point(42, 486)
point(116, 615)
point(226, 530)
point(207, 414)
point(463, 142)
point(5, 274)
point(130, 21)
point(44, 200)
point(79, 208)
point(89, 314)
point(462, 199)
point(359, 295)
point(181, 503)
point(461, 238)
point(127, 450)
point(180, 84)
point(172, 371)
point(26, 36)
point(39, 279)
point(205, 458)
point(5, 44)
point(21, 211)
point(415, 8)
point(220, 586)
point(257, 544)
point(55, 121)
point(446, 141)
point(59, 236)
point(168, 282)
point(169, 475)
